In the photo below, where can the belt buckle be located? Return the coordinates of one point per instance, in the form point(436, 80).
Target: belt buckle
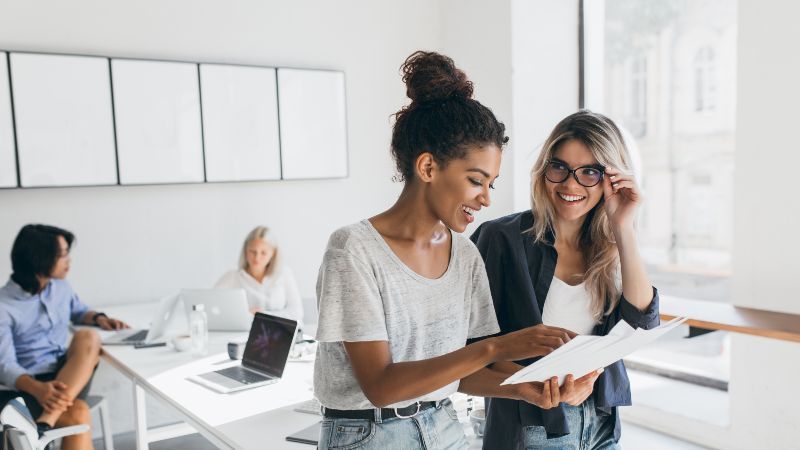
point(400, 416)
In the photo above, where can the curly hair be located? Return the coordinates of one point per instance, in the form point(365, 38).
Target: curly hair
point(442, 118)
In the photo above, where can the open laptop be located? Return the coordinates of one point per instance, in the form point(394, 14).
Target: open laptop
point(264, 359)
point(226, 309)
point(139, 336)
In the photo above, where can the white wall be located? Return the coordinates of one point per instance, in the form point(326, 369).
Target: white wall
point(544, 80)
point(767, 217)
point(764, 388)
point(477, 35)
point(139, 243)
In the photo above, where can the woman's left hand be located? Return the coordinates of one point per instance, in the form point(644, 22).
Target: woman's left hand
point(622, 198)
point(574, 392)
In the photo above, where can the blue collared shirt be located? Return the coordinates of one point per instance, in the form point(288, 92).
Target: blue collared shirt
point(34, 328)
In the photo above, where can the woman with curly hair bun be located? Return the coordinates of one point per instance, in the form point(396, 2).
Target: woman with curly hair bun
point(401, 292)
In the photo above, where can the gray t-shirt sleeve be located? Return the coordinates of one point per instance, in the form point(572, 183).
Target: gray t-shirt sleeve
point(350, 305)
point(482, 318)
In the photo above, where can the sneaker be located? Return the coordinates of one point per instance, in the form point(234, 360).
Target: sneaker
point(43, 428)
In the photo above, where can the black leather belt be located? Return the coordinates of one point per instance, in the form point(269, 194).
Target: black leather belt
point(386, 413)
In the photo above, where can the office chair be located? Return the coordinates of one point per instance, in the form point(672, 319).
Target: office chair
point(19, 429)
point(96, 403)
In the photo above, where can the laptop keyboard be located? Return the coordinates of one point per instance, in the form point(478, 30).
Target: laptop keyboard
point(243, 375)
point(136, 337)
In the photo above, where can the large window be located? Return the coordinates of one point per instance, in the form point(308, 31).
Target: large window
point(665, 70)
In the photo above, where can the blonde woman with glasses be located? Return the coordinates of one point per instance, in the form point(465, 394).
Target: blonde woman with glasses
point(270, 285)
point(571, 261)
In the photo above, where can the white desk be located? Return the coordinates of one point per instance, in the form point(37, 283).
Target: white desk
point(254, 418)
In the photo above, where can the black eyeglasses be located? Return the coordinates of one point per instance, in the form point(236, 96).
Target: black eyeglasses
point(587, 176)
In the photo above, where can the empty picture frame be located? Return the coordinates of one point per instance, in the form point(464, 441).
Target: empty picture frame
point(240, 123)
point(157, 111)
point(8, 157)
point(313, 123)
point(64, 124)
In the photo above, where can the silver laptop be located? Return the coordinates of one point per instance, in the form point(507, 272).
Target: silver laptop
point(226, 309)
point(265, 356)
point(135, 336)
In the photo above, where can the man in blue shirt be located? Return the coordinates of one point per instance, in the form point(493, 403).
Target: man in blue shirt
point(36, 306)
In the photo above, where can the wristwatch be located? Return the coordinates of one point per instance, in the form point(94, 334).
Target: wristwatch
point(97, 316)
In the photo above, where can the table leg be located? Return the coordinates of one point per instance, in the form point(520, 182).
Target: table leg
point(140, 417)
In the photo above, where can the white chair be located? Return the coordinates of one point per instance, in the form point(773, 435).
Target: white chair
point(14, 439)
point(20, 429)
point(96, 403)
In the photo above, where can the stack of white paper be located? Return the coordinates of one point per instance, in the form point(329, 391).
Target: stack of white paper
point(584, 354)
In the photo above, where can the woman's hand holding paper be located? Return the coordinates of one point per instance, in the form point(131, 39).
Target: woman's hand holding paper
point(574, 392)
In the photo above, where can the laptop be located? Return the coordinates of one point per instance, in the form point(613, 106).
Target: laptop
point(308, 435)
point(264, 359)
point(226, 309)
point(135, 336)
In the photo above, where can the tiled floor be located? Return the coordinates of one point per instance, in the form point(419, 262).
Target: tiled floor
point(633, 438)
point(637, 438)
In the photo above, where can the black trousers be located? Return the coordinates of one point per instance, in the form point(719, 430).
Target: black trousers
point(33, 405)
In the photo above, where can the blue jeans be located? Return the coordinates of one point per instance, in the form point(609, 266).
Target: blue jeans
point(434, 428)
point(588, 431)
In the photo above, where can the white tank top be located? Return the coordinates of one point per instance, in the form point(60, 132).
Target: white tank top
point(568, 307)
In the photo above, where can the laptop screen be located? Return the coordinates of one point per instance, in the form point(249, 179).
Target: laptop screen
point(268, 346)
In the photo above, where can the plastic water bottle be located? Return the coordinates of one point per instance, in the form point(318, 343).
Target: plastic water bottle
point(198, 328)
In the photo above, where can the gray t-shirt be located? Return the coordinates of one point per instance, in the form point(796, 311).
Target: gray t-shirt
point(366, 293)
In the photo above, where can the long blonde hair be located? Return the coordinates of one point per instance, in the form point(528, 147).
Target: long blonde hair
point(596, 241)
point(261, 232)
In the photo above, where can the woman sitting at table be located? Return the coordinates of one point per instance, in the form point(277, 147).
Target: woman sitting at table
point(270, 285)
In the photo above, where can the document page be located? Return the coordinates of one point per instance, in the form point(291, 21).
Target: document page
point(584, 354)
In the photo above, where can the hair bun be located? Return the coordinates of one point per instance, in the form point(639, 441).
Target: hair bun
point(431, 76)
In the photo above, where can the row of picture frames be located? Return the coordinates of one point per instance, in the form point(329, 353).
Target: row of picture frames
point(88, 121)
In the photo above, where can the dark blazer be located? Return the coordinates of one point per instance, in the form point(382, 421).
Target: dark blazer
point(520, 272)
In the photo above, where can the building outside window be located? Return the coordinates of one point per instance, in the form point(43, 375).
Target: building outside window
point(705, 88)
point(665, 71)
point(636, 116)
point(667, 75)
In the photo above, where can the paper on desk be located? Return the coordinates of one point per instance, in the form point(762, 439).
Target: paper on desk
point(584, 354)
